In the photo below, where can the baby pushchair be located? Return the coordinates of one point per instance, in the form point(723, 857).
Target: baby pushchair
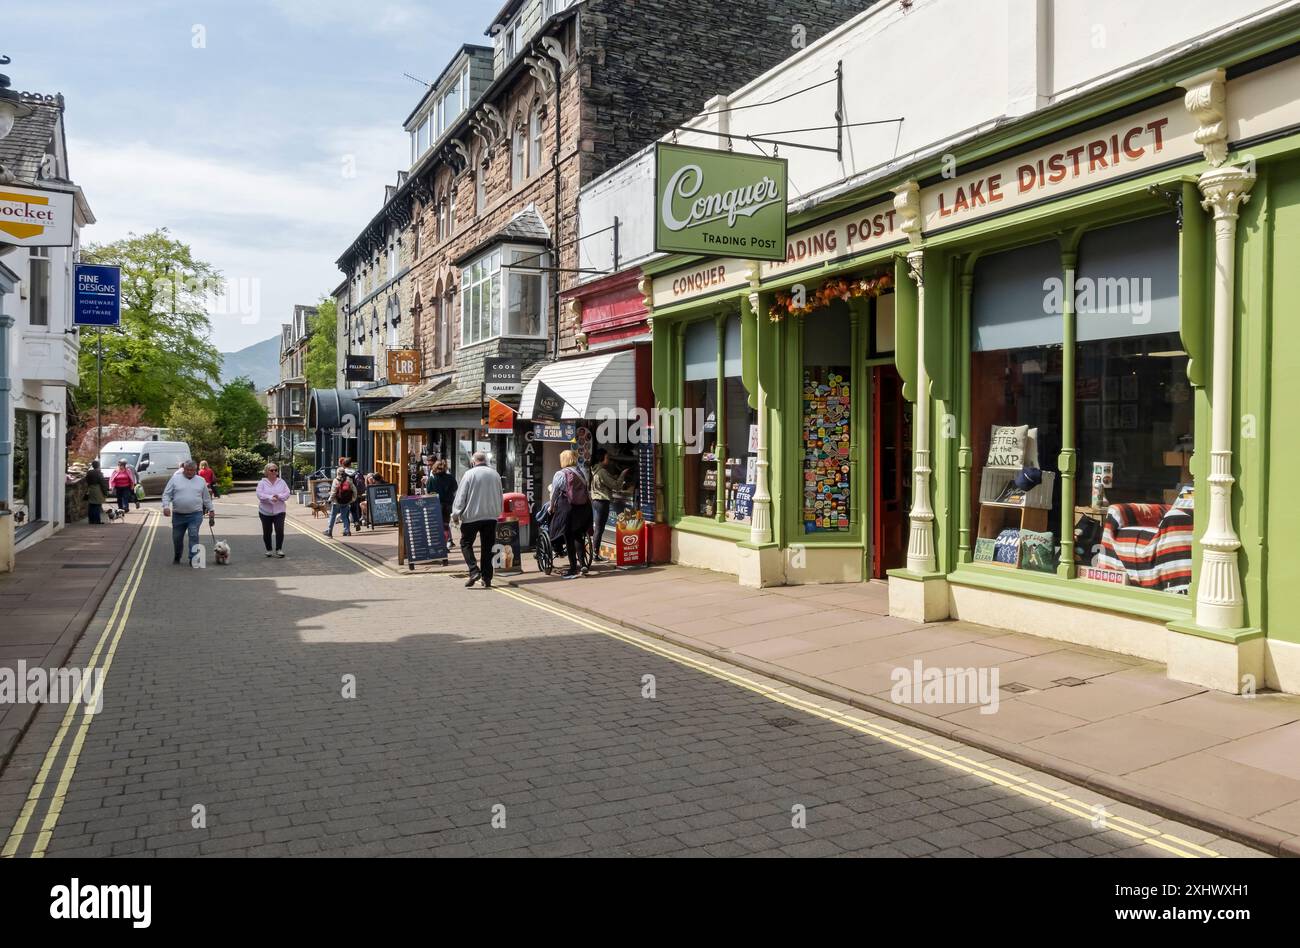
point(546, 551)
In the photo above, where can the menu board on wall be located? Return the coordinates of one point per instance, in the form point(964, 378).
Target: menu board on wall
point(645, 481)
point(826, 440)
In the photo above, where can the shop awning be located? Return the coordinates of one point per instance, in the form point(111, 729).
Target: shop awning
point(592, 385)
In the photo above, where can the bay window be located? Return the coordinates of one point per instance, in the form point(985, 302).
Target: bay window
point(502, 294)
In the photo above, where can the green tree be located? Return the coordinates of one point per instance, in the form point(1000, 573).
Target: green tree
point(161, 353)
point(240, 416)
point(323, 347)
point(196, 424)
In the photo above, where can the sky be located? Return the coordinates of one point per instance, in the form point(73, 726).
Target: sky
point(260, 132)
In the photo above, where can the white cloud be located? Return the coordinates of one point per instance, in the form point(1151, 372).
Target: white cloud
point(276, 229)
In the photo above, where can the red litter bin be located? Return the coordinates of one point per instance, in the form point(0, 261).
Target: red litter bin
point(515, 505)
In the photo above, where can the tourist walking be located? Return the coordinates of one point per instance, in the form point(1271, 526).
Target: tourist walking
point(343, 493)
point(570, 510)
point(604, 485)
point(186, 499)
point(123, 482)
point(272, 492)
point(442, 483)
point(97, 493)
point(476, 508)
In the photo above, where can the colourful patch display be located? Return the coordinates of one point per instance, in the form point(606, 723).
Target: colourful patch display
point(826, 440)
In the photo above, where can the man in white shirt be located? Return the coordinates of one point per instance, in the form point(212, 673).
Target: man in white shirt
point(186, 499)
point(477, 507)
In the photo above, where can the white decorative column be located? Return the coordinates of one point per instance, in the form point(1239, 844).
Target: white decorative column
point(1219, 602)
point(920, 541)
point(760, 526)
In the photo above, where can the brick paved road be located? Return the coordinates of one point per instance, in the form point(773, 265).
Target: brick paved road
point(225, 693)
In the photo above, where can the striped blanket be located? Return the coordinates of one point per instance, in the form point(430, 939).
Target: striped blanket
point(1152, 543)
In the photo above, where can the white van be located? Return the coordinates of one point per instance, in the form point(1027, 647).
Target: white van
point(154, 462)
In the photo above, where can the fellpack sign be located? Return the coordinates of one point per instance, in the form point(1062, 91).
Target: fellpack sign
point(719, 203)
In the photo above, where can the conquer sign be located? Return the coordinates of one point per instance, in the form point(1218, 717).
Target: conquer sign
point(709, 201)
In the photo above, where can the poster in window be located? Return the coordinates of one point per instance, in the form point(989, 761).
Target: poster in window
point(826, 439)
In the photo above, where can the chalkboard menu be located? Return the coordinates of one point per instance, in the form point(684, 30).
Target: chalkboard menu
point(422, 530)
point(381, 500)
point(320, 492)
point(645, 484)
point(506, 548)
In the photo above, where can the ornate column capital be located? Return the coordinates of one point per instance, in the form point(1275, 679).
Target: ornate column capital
point(1207, 100)
point(916, 267)
point(907, 202)
point(645, 286)
point(1225, 189)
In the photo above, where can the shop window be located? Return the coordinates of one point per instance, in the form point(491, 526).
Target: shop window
point(700, 396)
point(727, 425)
point(1016, 408)
point(1134, 412)
point(826, 401)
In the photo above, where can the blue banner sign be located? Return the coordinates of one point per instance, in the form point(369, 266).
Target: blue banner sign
point(97, 300)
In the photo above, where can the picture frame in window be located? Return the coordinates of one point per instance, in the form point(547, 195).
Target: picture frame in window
point(1128, 388)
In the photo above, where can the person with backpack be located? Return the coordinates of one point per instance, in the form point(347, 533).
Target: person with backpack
point(570, 509)
point(343, 492)
point(476, 508)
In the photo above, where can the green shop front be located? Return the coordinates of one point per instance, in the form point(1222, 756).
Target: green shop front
point(1047, 393)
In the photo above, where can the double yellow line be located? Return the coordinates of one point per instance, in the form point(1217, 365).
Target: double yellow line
point(342, 550)
point(1008, 781)
point(110, 637)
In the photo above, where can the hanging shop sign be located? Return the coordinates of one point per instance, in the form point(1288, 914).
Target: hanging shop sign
point(709, 201)
point(97, 299)
point(565, 432)
point(403, 366)
point(35, 217)
point(359, 368)
point(548, 404)
point(502, 376)
point(500, 418)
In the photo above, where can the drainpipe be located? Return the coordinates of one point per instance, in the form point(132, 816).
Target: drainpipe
point(6, 444)
point(552, 52)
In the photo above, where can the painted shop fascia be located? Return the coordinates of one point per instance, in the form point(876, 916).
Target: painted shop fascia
point(1202, 152)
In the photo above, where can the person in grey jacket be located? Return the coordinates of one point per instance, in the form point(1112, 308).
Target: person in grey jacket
point(186, 499)
point(476, 509)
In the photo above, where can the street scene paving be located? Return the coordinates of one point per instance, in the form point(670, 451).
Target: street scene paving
point(319, 706)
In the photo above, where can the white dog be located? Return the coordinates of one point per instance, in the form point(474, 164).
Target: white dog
point(221, 553)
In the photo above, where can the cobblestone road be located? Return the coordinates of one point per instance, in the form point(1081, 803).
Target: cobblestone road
point(482, 724)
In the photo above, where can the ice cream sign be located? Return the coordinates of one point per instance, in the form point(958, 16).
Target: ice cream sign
point(34, 217)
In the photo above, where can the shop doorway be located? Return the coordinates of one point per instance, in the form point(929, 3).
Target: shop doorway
point(891, 425)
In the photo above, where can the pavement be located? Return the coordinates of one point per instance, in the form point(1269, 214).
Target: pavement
point(1118, 724)
point(49, 599)
point(327, 705)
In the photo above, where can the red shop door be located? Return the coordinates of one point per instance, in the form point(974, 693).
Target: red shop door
point(891, 424)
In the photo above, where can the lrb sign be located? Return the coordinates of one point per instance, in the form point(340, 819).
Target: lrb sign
point(713, 202)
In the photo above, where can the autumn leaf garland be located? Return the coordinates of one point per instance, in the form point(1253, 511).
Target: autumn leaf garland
point(837, 288)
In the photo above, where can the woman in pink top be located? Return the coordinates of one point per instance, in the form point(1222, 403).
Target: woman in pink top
point(272, 492)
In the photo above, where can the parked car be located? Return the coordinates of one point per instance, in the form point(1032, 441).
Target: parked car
point(154, 462)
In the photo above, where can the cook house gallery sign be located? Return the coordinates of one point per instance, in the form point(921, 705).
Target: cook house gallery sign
point(717, 202)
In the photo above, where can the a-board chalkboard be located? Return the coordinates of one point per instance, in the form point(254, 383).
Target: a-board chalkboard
point(506, 548)
point(422, 530)
point(381, 502)
point(320, 493)
point(645, 471)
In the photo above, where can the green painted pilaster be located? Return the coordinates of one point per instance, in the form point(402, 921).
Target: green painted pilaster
point(1067, 463)
point(965, 456)
point(720, 413)
point(905, 314)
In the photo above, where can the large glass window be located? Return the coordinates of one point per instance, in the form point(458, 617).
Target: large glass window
point(498, 299)
point(1016, 413)
point(826, 400)
point(727, 427)
point(1134, 410)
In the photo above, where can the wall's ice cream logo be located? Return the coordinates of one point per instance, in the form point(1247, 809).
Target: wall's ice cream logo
point(35, 218)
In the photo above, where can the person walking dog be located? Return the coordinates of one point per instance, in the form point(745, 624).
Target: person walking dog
point(123, 482)
point(186, 499)
point(272, 492)
point(476, 509)
point(343, 493)
point(97, 493)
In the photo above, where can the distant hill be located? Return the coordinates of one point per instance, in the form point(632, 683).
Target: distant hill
point(260, 362)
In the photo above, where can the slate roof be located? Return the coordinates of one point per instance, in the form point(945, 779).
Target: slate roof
point(22, 149)
point(526, 227)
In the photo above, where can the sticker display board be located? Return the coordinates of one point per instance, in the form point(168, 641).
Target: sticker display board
point(645, 484)
point(422, 530)
point(381, 500)
point(826, 439)
point(506, 548)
